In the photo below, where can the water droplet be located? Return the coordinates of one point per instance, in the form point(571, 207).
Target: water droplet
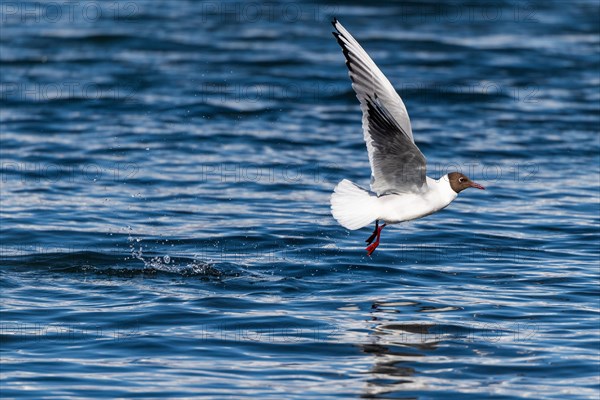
point(167, 259)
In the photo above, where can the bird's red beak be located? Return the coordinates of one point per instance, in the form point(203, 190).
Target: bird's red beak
point(476, 185)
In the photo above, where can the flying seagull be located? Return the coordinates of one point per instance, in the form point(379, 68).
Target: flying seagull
point(400, 190)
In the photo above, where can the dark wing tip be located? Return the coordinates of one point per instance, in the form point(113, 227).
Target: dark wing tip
point(338, 37)
point(334, 21)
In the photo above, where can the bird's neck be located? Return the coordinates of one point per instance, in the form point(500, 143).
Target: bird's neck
point(441, 187)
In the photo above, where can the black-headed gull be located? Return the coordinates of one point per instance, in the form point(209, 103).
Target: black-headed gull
point(400, 189)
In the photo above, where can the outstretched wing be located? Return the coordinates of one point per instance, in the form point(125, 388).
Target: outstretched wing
point(397, 164)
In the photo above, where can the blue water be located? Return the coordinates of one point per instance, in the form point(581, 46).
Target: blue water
point(166, 171)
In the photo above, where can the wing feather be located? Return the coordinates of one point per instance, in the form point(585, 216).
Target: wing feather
point(397, 164)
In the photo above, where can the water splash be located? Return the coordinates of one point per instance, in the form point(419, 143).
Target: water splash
point(168, 264)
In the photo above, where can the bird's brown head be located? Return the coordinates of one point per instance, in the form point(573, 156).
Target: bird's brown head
point(460, 182)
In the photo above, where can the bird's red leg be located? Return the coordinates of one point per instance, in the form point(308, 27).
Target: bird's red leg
point(371, 248)
point(372, 237)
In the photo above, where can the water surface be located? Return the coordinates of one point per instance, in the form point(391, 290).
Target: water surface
point(166, 170)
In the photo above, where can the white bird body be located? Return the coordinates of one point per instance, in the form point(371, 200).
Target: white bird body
point(400, 190)
point(354, 207)
point(405, 207)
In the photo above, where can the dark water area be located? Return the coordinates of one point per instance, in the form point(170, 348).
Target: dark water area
point(166, 168)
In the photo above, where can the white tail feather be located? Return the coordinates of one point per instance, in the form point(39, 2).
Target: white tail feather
point(352, 206)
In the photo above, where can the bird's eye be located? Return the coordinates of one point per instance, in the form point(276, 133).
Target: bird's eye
point(461, 179)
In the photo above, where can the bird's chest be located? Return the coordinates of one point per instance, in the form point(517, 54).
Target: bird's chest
point(409, 207)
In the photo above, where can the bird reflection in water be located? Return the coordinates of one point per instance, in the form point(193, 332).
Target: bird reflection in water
point(396, 349)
